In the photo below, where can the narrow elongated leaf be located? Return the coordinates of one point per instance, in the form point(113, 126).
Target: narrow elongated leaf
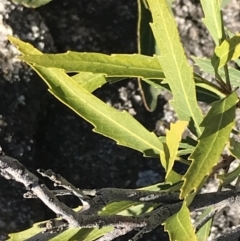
point(127, 65)
point(32, 3)
point(111, 208)
point(120, 126)
point(212, 19)
point(229, 177)
point(129, 208)
point(224, 3)
point(218, 124)
point(170, 4)
point(179, 226)
point(174, 177)
point(90, 81)
point(83, 234)
point(234, 148)
point(237, 62)
point(146, 45)
point(206, 66)
point(203, 232)
point(165, 187)
point(173, 138)
point(146, 42)
point(23, 47)
point(179, 75)
point(72, 234)
point(26, 234)
point(228, 50)
point(205, 91)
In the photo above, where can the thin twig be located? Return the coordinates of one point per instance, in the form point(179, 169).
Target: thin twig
point(168, 203)
point(58, 180)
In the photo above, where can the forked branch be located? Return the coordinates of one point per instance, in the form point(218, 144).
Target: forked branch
point(93, 201)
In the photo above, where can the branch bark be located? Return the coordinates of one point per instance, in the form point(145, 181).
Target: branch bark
point(94, 200)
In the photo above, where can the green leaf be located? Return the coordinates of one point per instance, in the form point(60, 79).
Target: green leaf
point(228, 50)
point(234, 148)
point(174, 177)
point(188, 143)
point(179, 75)
point(24, 47)
point(100, 67)
point(119, 126)
point(146, 45)
point(164, 187)
point(71, 234)
point(224, 3)
point(173, 138)
point(117, 207)
point(170, 5)
point(84, 234)
point(218, 124)
point(213, 20)
point(205, 90)
point(32, 3)
point(231, 35)
point(127, 208)
point(26, 234)
point(229, 177)
point(179, 226)
point(203, 232)
point(237, 62)
point(130, 208)
point(90, 81)
point(146, 42)
point(206, 66)
point(117, 65)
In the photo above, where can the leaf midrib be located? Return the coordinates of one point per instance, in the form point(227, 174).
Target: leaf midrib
point(181, 79)
point(95, 109)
